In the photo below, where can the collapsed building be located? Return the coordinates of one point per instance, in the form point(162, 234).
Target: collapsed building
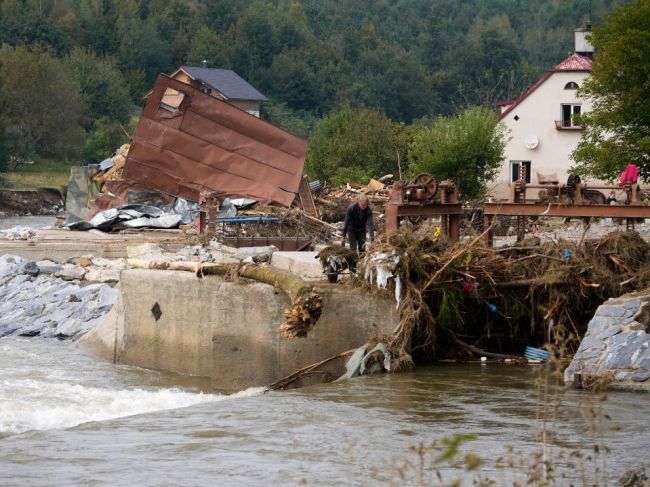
point(190, 150)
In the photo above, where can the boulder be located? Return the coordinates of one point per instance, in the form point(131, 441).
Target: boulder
point(70, 272)
point(616, 346)
point(31, 269)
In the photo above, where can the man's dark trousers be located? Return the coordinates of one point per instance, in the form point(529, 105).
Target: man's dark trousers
point(357, 239)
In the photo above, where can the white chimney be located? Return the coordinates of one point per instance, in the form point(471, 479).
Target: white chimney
point(583, 46)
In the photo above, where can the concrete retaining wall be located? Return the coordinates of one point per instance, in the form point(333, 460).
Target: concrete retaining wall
point(229, 331)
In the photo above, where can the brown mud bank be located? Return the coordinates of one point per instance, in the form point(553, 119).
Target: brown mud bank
point(44, 201)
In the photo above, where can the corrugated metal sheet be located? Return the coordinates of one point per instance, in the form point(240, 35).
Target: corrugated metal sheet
point(210, 145)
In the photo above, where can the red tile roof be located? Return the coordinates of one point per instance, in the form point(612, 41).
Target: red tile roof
point(575, 62)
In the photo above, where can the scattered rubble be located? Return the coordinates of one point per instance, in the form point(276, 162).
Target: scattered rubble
point(19, 233)
point(34, 302)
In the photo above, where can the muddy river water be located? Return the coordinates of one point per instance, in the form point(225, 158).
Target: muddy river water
point(68, 419)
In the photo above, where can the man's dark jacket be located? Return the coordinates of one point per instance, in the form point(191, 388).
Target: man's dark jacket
point(358, 220)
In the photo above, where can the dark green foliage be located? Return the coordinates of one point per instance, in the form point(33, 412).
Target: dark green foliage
point(43, 107)
point(297, 122)
point(103, 140)
point(4, 149)
point(351, 145)
point(405, 58)
point(103, 89)
point(467, 148)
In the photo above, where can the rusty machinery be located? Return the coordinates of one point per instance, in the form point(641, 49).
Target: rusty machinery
point(427, 197)
point(208, 206)
point(574, 199)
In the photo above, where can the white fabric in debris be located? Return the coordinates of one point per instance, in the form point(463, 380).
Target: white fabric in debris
point(379, 271)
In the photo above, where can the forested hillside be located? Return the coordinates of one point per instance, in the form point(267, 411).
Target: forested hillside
point(84, 65)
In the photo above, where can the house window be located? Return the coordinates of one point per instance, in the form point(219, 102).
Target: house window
point(171, 100)
point(515, 170)
point(568, 113)
point(571, 85)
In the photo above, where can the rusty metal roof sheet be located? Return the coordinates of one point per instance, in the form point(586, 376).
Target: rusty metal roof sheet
point(205, 144)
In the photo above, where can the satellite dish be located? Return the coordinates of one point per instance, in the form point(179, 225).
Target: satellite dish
point(531, 141)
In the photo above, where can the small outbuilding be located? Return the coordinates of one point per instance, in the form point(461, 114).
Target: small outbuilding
point(223, 84)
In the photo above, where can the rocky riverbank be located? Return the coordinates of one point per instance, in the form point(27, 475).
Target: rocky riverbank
point(49, 300)
point(65, 300)
point(615, 351)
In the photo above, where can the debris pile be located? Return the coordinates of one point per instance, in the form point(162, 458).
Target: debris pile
point(111, 169)
point(303, 314)
point(504, 297)
point(333, 201)
point(221, 153)
point(272, 221)
point(129, 216)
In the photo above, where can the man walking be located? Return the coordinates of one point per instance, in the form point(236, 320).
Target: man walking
point(358, 221)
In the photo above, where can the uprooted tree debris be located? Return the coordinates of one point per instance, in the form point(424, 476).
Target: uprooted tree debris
point(468, 297)
point(505, 297)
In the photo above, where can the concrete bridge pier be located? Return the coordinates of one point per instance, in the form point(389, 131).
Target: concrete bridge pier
point(228, 331)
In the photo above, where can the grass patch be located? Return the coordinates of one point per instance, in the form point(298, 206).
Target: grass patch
point(44, 173)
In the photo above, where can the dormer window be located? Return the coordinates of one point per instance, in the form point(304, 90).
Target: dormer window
point(571, 85)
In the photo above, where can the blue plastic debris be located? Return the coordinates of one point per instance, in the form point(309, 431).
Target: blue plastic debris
point(567, 254)
point(533, 353)
point(492, 308)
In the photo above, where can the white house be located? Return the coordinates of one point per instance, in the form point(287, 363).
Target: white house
point(543, 132)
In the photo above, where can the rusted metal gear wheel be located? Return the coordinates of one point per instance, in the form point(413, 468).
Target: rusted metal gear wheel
point(428, 183)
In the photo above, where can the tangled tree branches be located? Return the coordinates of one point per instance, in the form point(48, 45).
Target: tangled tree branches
point(518, 295)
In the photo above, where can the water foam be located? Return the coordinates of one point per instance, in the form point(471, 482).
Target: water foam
point(38, 405)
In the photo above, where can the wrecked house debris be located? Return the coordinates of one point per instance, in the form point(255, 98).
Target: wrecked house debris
point(199, 160)
point(205, 145)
